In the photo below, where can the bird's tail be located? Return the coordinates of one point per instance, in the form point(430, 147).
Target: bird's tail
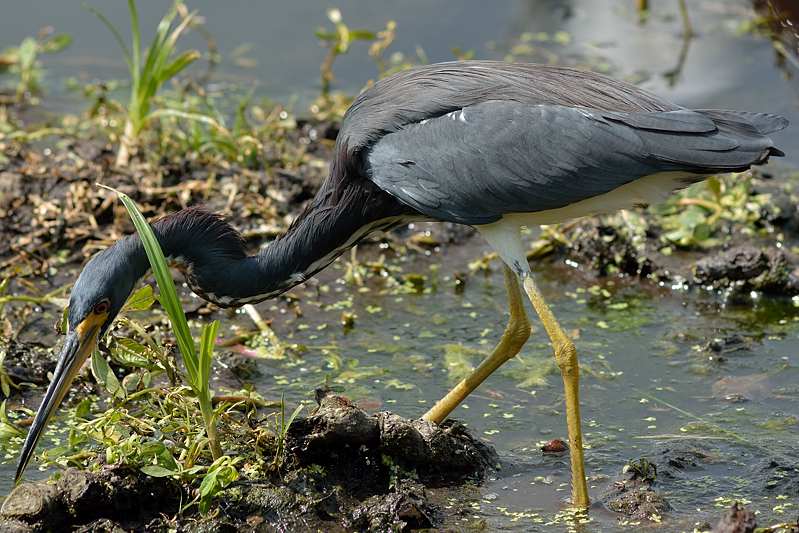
point(747, 127)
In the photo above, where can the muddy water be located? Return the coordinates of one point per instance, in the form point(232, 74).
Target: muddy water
point(650, 385)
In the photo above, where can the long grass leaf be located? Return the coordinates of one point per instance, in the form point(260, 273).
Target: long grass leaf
point(195, 117)
point(287, 423)
point(208, 338)
point(135, 35)
point(115, 32)
point(168, 294)
point(181, 62)
point(154, 51)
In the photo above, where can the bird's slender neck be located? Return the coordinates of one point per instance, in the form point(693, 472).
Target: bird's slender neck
point(213, 258)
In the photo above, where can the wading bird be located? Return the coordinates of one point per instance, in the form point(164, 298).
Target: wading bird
point(493, 145)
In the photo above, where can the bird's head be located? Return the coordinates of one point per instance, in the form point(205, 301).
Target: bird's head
point(97, 297)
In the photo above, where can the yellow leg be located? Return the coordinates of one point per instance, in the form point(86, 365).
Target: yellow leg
point(513, 338)
point(566, 357)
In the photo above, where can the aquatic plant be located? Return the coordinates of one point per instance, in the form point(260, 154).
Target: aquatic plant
point(150, 69)
point(197, 362)
point(23, 60)
point(696, 217)
point(338, 42)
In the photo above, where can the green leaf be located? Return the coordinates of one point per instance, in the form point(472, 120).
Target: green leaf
point(168, 294)
point(105, 376)
point(56, 43)
point(83, 409)
point(181, 62)
point(130, 353)
point(115, 32)
point(291, 418)
point(362, 35)
point(158, 471)
point(140, 300)
point(325, 35)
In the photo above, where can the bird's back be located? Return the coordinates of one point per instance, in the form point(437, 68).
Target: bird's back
point(435, 90)
point(473, 141)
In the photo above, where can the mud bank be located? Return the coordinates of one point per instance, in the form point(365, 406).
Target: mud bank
point(345, 470)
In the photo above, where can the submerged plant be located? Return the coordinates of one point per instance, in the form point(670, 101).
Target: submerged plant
point(149, 70)
point(197, 361)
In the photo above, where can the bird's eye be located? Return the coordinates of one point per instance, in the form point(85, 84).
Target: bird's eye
point(102, 307)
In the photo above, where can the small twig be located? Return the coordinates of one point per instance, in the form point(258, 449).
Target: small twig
point(266, 331)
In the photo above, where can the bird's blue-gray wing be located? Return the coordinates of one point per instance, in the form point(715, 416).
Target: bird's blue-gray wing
point(478, 163)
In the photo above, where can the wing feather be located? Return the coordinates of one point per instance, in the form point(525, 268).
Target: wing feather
point(501, 157)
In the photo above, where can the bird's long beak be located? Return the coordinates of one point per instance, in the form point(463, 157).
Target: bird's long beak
point(78, 346)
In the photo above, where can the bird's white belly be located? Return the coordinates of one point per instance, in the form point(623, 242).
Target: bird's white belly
point(650, 189)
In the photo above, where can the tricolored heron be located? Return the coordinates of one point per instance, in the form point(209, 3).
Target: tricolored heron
point(494, 145)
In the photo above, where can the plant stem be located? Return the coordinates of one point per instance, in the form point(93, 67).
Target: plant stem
point(210, 428)
point(126, 145)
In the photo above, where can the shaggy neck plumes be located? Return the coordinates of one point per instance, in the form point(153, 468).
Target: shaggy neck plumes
point(213, 258)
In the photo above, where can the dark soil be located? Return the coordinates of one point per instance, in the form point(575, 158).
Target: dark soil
point(27, 362)
point(346, 470)
point(126, 497)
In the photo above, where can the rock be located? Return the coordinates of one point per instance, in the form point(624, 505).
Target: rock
point(404, 510)
point(440, 454)
point(747, 268)
point(781, 478)
point(736, 520)
point(677, 458)
point(342, 436)
point(80, 497)
point(555, 446)
point(607, 249)
point(337, 427)
point(633, 495)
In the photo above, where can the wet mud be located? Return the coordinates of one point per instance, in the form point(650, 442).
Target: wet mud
point(346, 470)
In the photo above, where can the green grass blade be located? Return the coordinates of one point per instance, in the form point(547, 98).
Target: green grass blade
point(207, 342)
point(287, 423)
point(168, 294)
point(155, 50)
point(115, 32)
point(181, 62)
point(194, 117)
point(135, 34)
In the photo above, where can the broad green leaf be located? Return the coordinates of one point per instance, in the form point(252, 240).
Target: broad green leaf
point(130, 353)
point(158, 471)
point(140, 300)
point(105, 376)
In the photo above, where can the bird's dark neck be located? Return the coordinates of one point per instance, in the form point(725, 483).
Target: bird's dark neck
point(212, 254)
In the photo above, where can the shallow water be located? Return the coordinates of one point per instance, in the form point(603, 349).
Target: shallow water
point(648, 383)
